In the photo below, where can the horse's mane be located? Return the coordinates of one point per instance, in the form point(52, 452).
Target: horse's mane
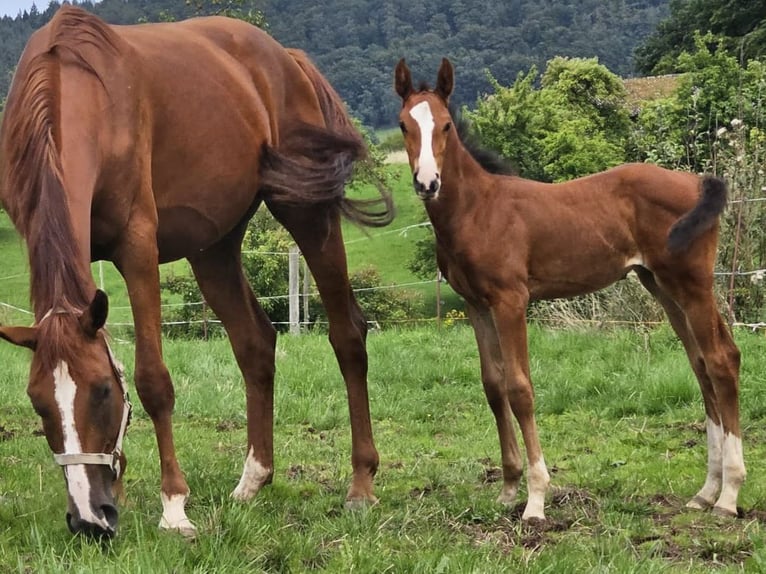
point(34, 193)
point(487, 158)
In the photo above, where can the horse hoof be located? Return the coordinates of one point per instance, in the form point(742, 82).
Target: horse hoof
point(185, 528)
point(360, 502)
point(698, 503)
point(507, 497)
point(724, 512)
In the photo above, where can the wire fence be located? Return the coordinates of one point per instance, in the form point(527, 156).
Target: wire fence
point(10, 311)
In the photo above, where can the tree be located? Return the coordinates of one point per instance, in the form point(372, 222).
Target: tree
point(740, 24)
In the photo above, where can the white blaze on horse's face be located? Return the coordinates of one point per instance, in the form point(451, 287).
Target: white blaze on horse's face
point(78, 484)
point(425, 169)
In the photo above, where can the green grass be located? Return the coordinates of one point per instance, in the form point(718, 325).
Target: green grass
point(621, 424)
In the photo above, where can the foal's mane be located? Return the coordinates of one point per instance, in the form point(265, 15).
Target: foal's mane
point(34, 190)
point(487, 158)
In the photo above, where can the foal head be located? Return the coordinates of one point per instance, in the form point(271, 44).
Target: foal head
point(426, 124)
point(78, 389)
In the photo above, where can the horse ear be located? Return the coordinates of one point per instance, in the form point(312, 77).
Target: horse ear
point(446, 80)
point(21, 336)
point(94, 317)
point(403, 80)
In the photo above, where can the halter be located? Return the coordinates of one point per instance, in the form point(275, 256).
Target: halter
point(112, 460)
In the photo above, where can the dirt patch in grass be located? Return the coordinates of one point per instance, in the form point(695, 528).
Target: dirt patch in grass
point(675, 534)
point(6, 434)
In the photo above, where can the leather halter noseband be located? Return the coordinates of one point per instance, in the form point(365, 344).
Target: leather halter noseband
point(112, 460)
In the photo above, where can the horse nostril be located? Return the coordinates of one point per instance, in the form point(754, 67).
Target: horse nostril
point(70, 524)
point(111, 515)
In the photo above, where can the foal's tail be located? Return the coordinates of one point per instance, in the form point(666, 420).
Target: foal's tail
point(702, 217)
point(312, 164)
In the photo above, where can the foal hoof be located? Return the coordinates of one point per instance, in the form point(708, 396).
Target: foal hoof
point(724, 512)
point(698, 503)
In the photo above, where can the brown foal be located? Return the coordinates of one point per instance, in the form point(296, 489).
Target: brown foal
point(503, 241)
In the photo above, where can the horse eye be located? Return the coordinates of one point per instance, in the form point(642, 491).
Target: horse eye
point(101, 392)
point(403, 127)
point(447, 127)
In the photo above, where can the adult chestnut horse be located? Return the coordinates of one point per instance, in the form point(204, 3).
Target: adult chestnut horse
point(145, 144)
point(503, 241)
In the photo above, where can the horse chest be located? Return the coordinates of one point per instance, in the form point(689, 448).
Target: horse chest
point(463, 278)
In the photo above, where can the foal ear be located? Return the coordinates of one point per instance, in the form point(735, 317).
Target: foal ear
point(403, 80)
point(94, 317)
point(446, 80)
point(21, 336)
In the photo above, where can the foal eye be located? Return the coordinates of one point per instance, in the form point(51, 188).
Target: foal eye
point(447, 127)
point(403, 127)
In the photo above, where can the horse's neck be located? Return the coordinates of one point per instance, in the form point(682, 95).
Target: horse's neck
point(459, 191)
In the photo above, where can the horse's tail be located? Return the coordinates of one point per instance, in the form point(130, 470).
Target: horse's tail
point(702, 217)
point(312, 164)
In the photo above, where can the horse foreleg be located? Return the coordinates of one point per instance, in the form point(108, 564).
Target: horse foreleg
point(218, 271)
point(496, 391)
point(509, 317)
point(137, 260)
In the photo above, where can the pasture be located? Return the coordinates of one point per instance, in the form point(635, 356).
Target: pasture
point(621, 425)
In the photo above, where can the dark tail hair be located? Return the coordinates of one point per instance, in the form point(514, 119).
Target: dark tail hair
point(312, 164)
point(702, 217)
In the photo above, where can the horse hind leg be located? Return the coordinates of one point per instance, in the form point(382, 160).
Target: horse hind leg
point(714, 359)
point(218, 272)
point(318, 234)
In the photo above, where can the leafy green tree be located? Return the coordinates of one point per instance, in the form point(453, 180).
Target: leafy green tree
point(575, 123)
point(741, 25)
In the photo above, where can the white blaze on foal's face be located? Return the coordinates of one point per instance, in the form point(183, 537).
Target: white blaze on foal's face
point(425, 168)
point(65, 391)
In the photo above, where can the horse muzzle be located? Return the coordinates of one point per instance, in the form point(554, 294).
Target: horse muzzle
point(426, 191)
point(105, 526)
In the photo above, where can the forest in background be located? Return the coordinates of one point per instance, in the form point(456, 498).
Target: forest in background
point(356, 43)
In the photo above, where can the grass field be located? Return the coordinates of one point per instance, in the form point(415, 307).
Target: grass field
point(620, 419)
point(621, 424)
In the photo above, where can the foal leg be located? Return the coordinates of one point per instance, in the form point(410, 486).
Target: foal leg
point(721, 360)
point(318, 234)
point(493, 380)
point(509, 316)
point(218, 271)
point(137, 261)
point(706, 497)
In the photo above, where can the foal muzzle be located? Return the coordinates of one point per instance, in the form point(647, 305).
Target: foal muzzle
point(426, 192)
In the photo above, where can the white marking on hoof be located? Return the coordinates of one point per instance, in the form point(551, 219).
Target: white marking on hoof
point(174, 515)
point(538, 480)
point(707, 494)
point(733, 475)
point(254, 477)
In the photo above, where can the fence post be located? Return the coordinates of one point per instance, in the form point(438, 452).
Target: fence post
point(306, 286)
point(293, 291)
point(439, 299)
